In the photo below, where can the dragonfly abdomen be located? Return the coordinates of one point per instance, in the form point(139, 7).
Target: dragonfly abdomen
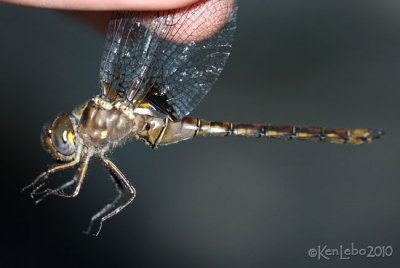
point(192, 127)
point(351, 136)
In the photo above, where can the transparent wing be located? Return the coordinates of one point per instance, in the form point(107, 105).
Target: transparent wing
point(164, 58)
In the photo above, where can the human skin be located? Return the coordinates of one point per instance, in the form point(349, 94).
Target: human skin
point(104, 5)
point(88, 10)
point(97, 12)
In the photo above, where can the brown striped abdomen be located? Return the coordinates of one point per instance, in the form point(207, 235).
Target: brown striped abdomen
point(191, 127)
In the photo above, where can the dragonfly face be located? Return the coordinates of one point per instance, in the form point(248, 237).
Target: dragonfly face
point(60, 138)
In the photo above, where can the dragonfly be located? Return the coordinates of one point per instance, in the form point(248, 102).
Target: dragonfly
point(155, 69)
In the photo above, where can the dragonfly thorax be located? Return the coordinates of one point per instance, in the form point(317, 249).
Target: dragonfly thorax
point(103, 125)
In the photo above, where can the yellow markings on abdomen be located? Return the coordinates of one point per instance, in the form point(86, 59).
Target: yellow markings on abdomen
point(304, 135)
point(336, 135)
point(272, 133)
point(279, 131)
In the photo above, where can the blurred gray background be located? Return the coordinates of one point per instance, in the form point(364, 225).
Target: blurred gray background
point(216, 202)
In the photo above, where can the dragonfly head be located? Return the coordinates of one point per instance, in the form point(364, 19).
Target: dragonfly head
point(60, 138)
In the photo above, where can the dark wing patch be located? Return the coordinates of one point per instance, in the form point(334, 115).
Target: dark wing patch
point(146, 57)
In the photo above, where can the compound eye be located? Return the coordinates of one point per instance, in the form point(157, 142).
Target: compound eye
point(63, 135)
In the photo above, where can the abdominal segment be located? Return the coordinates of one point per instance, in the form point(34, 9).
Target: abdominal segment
point(172, 132)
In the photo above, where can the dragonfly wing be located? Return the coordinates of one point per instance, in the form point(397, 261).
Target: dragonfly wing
point(158, 57)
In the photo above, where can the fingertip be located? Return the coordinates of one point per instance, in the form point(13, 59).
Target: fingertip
point(103, 5)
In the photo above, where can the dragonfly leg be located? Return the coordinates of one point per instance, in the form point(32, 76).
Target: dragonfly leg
point(43, 177)
point(123, 185)
point(39, 196)
point(107, 208)
point(77, 180)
